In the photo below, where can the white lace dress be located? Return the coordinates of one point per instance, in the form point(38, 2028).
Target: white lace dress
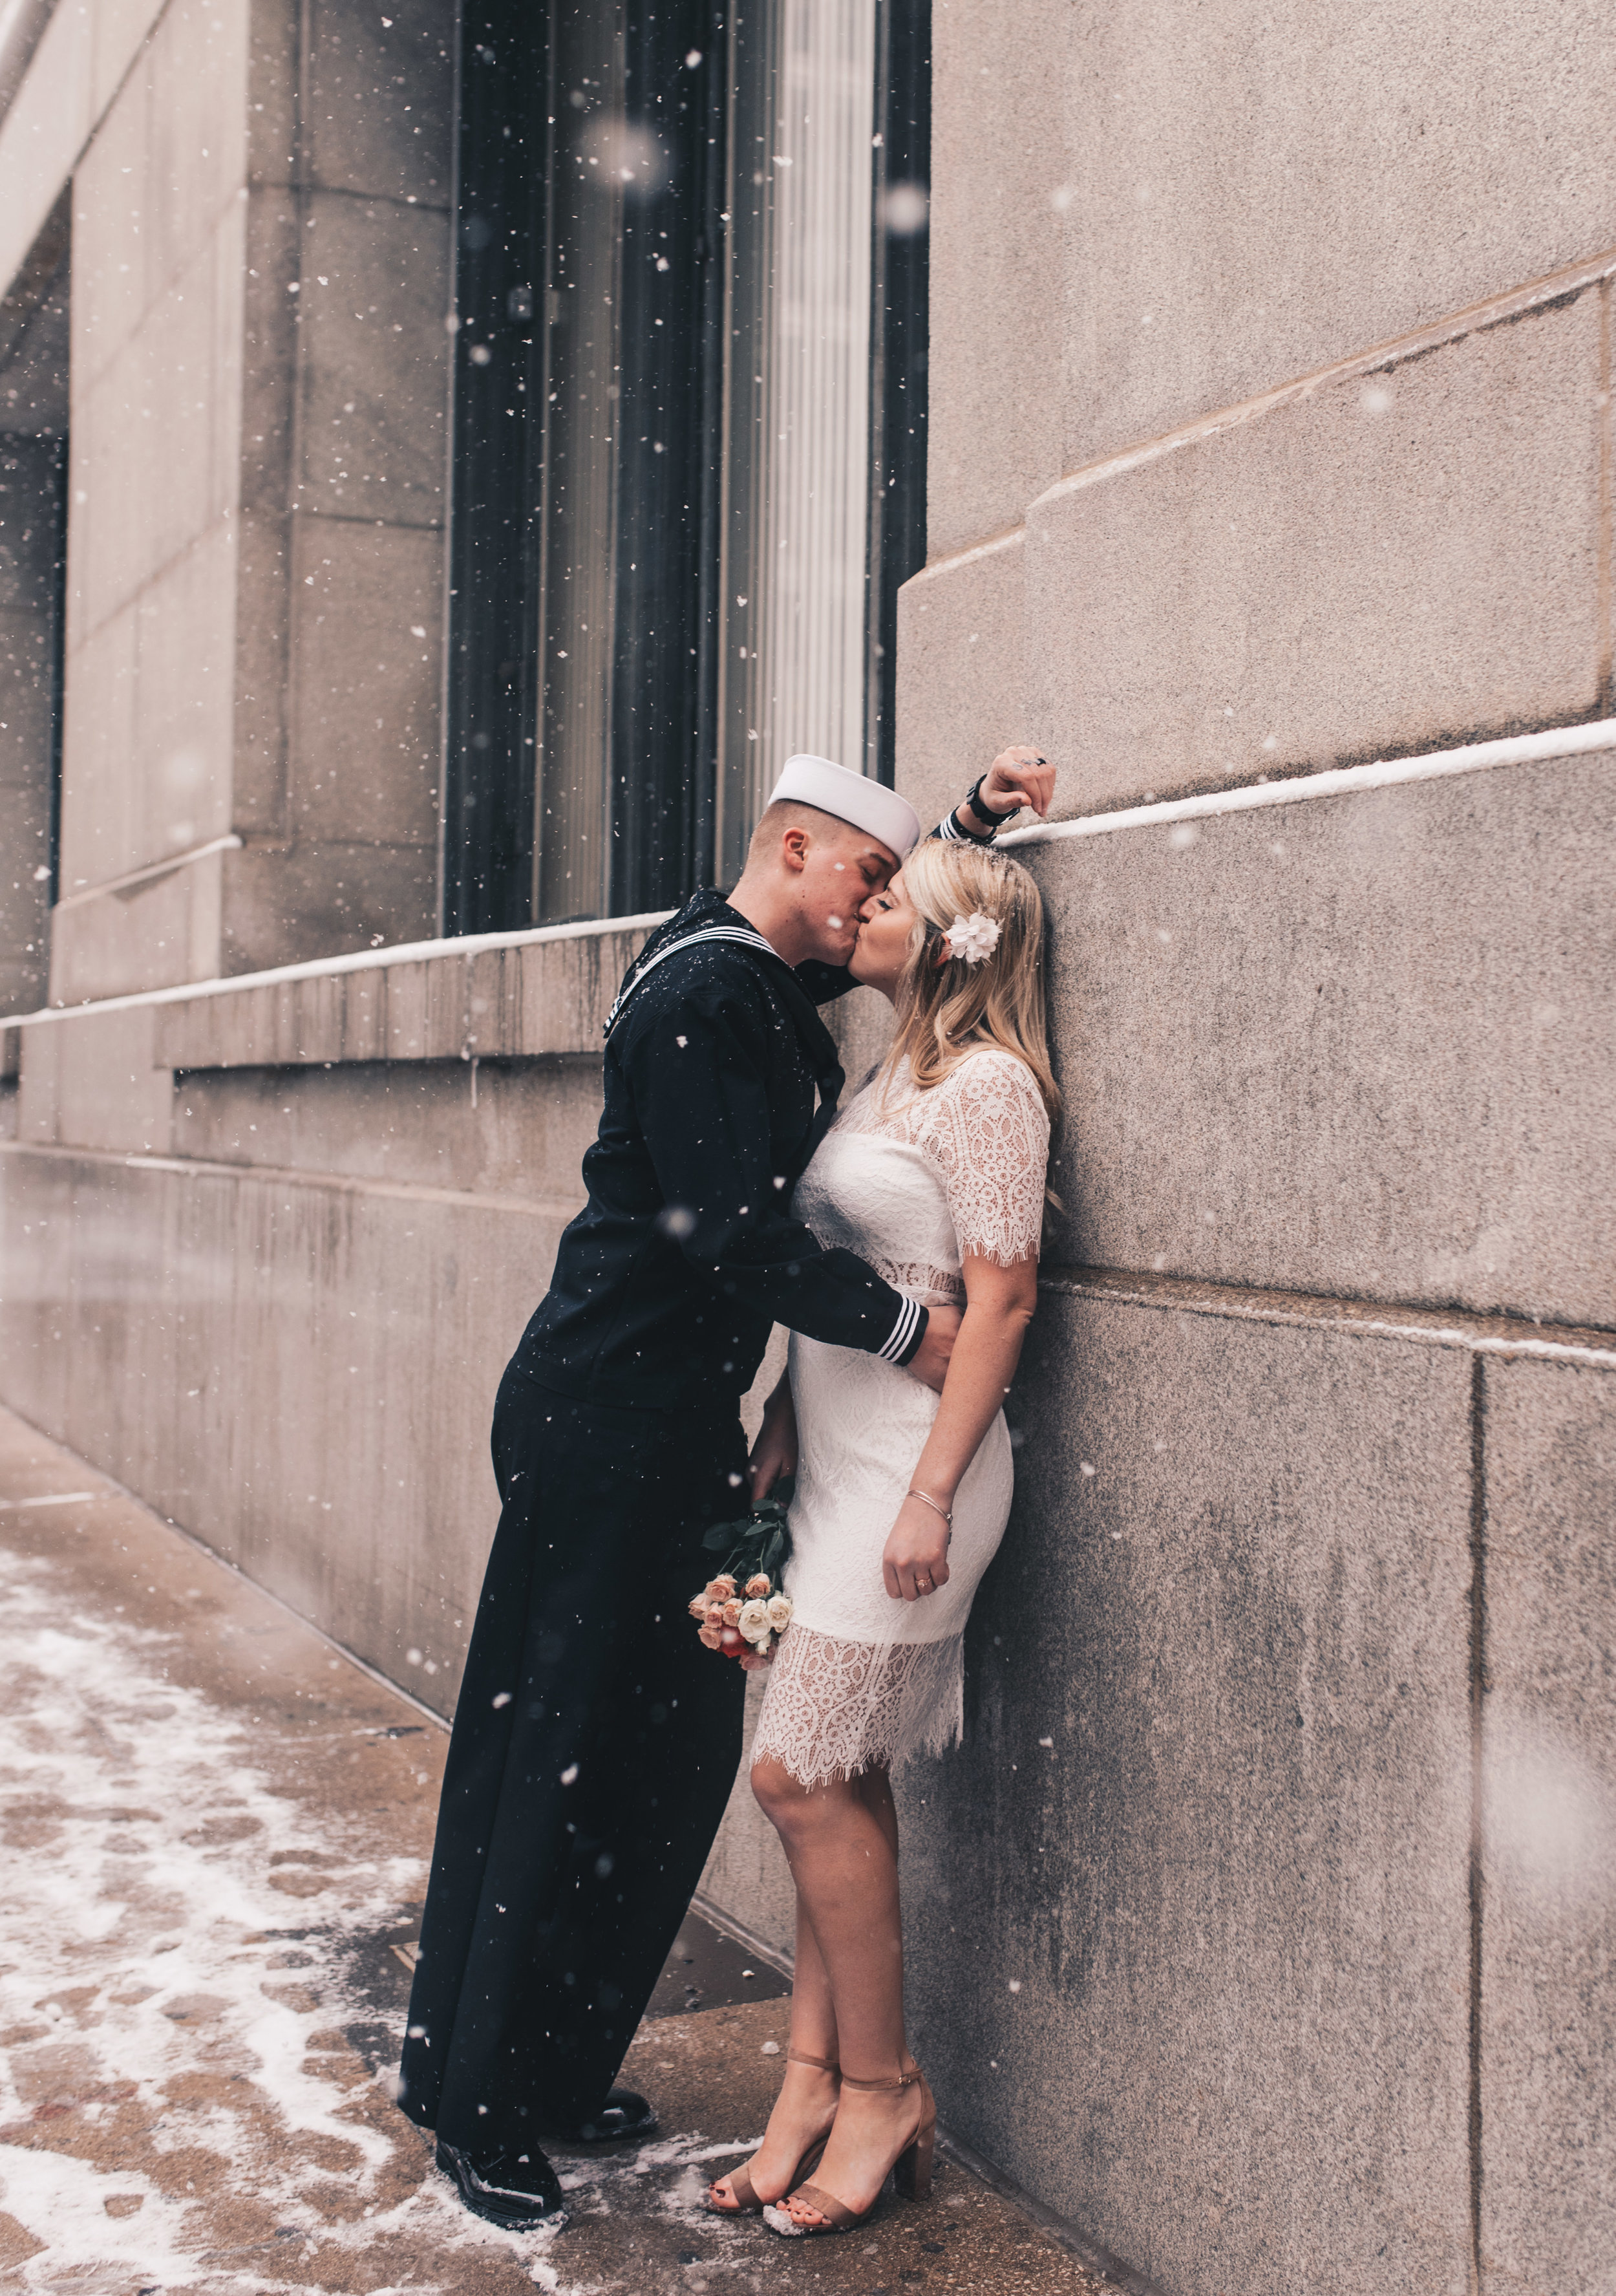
point(911, 1181)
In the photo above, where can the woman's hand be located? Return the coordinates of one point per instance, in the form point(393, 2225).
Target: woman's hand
point(915, 1562)
point(1016, 777)
point(774, 1453)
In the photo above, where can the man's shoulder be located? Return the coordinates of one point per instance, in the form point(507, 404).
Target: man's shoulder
point(709, 965)
point(710, 971)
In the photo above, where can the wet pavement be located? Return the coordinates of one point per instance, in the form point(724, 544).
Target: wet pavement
point(216, 1830)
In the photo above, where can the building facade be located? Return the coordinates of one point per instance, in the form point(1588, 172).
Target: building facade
point(446, 462)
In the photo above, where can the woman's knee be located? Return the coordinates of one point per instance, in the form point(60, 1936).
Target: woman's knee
point(777, 1794)
point(797, 1812)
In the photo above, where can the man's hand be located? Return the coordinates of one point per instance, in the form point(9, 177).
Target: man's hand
point(929, 1362)
point(774, 1453)
point(1018, 777)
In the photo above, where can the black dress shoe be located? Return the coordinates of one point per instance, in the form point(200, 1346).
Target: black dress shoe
point(520, 2191)
point(625, 2118)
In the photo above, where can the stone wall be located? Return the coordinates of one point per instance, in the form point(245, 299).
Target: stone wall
point(1260, 1853)
point(1262, 1925)
point(1142, 220)
point(266, 1251)
point(1405, 552)
point(252, 743)
point(1271, 433)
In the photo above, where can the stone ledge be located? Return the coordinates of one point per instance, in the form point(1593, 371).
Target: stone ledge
point(547, 996)
point(1407, 555)
point(553, 1206)
point(1592, 1348)
point(491, 996)
point(1405, 551)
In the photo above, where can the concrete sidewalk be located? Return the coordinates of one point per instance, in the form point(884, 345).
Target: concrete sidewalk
point(216, 1829)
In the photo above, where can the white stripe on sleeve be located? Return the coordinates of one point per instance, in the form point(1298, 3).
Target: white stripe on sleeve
point(902, 1333)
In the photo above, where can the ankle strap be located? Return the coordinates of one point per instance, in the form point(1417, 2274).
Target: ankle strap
point(903, 2080)
point(825, 2064)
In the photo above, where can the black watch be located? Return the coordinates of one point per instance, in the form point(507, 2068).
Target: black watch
point(986, 814)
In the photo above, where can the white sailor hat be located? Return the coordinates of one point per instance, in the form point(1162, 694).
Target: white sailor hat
point(851, 797)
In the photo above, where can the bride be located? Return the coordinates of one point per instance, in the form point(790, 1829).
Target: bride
point(935, 1174)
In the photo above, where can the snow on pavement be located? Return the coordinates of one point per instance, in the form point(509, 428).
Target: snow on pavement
point(215, 1829)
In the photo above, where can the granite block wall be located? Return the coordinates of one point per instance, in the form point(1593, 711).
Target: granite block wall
point(1548, 2065)
point(259, 379)
point(1140, 220)
point(1201, 1868)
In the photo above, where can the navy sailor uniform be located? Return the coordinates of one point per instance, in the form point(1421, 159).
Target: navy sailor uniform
point(595, 1739)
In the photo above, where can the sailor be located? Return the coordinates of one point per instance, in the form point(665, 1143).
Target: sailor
point(595, 1739)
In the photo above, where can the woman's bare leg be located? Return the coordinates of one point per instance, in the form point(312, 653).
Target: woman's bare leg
point(807, 2100)
point(813, 2026)
point(875, 1787)
point(813, 2018)
point(841, 1841)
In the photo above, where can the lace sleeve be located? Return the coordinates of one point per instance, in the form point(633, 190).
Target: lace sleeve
point(988, 1129)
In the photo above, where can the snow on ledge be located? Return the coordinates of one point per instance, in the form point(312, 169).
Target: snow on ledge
point(1480, 757)
point(359, 960)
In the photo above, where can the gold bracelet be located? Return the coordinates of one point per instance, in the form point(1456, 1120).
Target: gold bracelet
point(929, 1501)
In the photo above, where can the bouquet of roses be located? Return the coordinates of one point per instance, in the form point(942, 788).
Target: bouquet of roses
point(742, 1610)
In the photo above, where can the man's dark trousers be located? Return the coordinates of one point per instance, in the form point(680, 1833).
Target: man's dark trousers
point(595, 1744)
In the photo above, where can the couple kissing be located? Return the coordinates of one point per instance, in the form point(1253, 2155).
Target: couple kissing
point(895, 1233)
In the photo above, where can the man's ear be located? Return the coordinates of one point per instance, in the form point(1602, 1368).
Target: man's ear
point(794, 849)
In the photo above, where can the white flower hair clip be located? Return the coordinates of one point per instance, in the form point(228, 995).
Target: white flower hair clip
point(974, 938)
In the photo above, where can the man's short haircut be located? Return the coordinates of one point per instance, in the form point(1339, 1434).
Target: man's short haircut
point(790, 813)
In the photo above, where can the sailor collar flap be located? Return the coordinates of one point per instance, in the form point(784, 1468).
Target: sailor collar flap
point(726, 926)
point(645, 963)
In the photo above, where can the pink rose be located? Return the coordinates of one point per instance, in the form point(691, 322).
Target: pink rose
point(720, 1589)
point(698, 1607)
point(758, 1586)
point(711, 1636)
point(731, 1612)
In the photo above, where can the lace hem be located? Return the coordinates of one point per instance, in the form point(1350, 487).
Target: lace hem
point(834, 1709)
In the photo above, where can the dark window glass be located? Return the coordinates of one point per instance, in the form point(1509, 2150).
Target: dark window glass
point(688, 286)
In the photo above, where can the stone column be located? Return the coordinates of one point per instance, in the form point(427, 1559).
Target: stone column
point(252, 726)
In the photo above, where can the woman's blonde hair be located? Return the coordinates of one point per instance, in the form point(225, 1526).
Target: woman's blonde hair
point(946, 1011)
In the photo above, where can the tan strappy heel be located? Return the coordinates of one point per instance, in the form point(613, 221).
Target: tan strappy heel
point(746, 2202)
point(911, 2171)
